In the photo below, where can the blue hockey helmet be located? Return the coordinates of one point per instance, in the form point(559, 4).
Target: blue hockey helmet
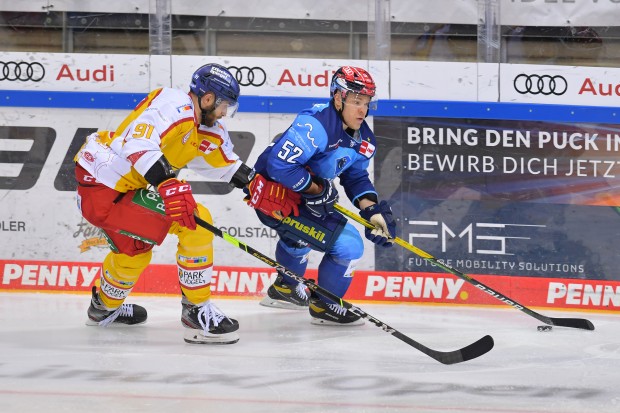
point(218, 80)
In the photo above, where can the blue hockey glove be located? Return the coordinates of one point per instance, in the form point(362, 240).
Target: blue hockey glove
point(380, 215)
point(322, 204)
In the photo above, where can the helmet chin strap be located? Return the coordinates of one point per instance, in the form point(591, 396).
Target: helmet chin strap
point(339, 111)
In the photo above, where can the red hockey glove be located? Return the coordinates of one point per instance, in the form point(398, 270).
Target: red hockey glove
point(272, 198)
point(179, 201)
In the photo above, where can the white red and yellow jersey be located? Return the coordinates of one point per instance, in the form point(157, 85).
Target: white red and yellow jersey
point(163, 122)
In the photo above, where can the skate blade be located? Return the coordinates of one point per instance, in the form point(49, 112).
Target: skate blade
point(322, 322)
point(92, 323)
point(284, 305)
point(193, 336)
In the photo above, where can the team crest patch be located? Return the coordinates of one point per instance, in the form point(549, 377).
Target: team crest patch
point(367, 149)
point(207, 147)
point(89, 157)
point(184, 108)
point(341, 163)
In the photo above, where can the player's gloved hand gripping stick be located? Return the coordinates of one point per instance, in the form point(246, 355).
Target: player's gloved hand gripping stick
point(383, 228)
point(560, 322)
point(272, 198)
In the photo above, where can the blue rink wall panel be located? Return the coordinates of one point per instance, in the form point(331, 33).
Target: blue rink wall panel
point(270, 104)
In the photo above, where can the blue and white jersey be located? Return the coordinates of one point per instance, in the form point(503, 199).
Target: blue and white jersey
point(317, 143)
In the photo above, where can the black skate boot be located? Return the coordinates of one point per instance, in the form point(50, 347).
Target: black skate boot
point(282, 295)
point(331, 314)
point(207, 324)
point(126, 314)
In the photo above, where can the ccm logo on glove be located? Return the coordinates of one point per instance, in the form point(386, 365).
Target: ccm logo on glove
point(178, 201)
point(272, 198)
point(178, 189)
point(258, 192)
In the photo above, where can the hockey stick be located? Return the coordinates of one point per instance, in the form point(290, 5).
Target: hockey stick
point(469, 352)
point(560, 322)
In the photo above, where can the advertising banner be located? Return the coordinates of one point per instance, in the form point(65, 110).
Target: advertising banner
point(502, 197)
point(394, 287)
point(309, 78)
point(142, 73)
point(577, 85)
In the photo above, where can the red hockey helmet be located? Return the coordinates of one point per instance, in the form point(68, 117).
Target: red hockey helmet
point(353, 79)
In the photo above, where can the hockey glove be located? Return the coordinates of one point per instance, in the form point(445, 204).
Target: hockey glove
point(178, 201)
point(380, 215)
point(272, 198)
point(322, 204)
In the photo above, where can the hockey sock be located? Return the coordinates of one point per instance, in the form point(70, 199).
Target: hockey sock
point(334, 276)
point(119, 273)
point(297, 263)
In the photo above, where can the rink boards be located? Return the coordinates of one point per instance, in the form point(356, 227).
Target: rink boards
point(528, 207)
point(375, 286)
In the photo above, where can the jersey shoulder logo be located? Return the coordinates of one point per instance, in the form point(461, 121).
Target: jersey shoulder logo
point(310, 138)
point(367, 149)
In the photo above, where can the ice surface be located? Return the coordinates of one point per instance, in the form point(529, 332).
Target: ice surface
point(51, 362)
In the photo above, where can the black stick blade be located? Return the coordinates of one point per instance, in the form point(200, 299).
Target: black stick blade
point(572, 322)
point(476, 349)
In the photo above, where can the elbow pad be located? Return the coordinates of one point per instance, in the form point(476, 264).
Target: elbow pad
point(159, 172)
point(243, 176)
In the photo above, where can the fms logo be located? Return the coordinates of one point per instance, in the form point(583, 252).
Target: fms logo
point(481, 237)
point(534, 84)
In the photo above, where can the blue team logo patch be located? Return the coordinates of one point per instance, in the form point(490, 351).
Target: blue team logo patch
point(341, 164)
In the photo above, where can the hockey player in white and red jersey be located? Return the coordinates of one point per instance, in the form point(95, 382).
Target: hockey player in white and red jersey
point(170, 129)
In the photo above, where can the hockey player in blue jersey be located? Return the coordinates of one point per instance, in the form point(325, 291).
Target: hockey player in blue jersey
point(325, 142)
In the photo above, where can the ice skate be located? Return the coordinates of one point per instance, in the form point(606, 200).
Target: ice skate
point(207, 324)
point(323, 313)
point(126, 314)
point(281, 295)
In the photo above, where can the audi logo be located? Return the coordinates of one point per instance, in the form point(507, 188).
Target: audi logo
point(540, 84)
point(21, 71)
point(249, 76)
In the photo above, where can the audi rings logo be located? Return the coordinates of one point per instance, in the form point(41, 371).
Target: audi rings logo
point(540, 84)
point(249, 76)
point(21, 71)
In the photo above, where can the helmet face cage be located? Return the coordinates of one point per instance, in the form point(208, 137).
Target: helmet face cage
point(218, 80)
point(349, 79)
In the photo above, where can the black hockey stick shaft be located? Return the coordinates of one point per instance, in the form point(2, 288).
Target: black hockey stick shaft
point(561, 322)
point(476, 349)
